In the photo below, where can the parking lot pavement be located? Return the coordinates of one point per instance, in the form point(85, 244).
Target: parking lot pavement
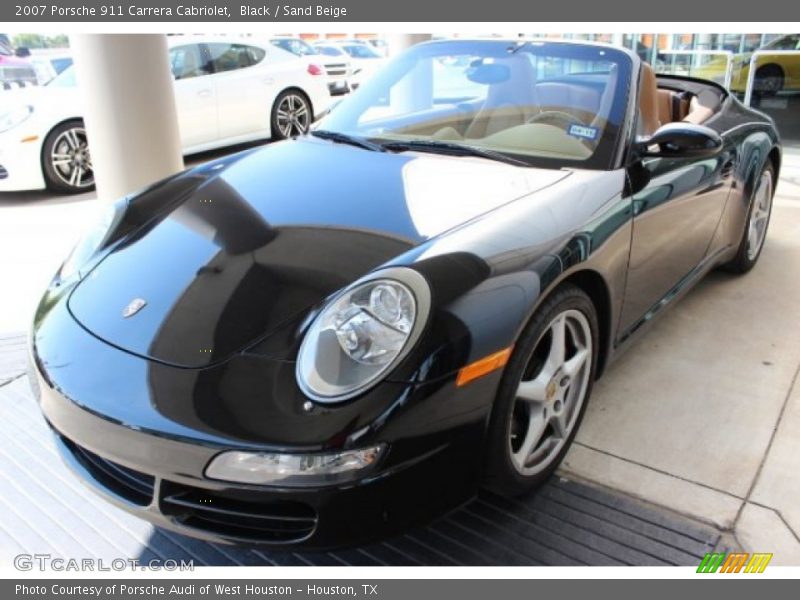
point(701, 416)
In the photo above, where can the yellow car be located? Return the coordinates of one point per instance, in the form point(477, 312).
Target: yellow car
point(774, 73)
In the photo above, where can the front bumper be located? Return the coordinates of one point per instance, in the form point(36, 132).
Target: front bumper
point(130, 450)
point(170, 495)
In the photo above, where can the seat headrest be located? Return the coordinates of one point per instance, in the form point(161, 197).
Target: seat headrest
point(648, 101)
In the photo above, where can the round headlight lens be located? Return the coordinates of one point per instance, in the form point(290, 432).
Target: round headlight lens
point(357, 338)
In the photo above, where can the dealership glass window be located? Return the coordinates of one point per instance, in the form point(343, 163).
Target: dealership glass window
point(187, 61)
point(788, 42)
point(776, 85)
point(229, 57)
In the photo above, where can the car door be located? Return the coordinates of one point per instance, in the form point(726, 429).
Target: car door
point(246, 84)
point(195, 96)
point(677, 204)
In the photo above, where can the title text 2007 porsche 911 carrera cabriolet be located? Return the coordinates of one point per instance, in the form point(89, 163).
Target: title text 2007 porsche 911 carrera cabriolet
point(336, 336)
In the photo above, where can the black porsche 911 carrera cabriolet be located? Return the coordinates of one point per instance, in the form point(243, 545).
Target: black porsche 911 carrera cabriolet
point(328, 339)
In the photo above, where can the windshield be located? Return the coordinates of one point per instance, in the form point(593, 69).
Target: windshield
point(296, 47)
point(329, 51)
point(5, 46)
point(64, 79)
point(361, 51)
point(547, 104)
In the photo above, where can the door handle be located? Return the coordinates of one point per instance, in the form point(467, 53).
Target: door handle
point(204, 93)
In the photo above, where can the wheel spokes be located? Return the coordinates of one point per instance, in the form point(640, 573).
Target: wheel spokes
point(293, 116)
point(759, 217)
point(71, 137)
point(537, 425)
point(558, 421)
point(547, 404)
point(558, 333)
point(534, 390)
point(70, 159)
point(573, 366)
point(75, 176)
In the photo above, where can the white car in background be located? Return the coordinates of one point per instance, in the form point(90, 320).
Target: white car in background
point(380, 46)
point(227, 91)
point(364, 58)
point(337, 70)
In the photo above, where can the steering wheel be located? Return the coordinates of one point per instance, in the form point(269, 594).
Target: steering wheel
point(556, 117)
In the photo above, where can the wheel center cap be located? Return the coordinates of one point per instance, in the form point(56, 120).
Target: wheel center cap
point(558, 382)
point(552, 389)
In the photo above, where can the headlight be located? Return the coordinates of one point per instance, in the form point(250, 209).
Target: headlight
point(293, 470)
point(13, 117)
point(93, 240)
point(362, 333)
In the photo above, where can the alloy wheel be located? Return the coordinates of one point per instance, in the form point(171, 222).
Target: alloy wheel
point(551, 393)
point(759, 215)
point(293, 115)
point(71, 160)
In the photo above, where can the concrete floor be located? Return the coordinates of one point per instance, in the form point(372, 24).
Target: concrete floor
point(701, 416)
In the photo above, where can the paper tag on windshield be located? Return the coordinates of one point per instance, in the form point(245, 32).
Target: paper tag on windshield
point(583, 131)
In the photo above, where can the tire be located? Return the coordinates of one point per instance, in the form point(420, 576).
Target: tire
point(768, 80)
point(291, 115)
point(758, 215)
point(509, 469)
point(66, 162)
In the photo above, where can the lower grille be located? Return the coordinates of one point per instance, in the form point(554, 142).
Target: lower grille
point(277, 522)
point(133, 486)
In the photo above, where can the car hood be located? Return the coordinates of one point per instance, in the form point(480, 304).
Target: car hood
point(230, 252)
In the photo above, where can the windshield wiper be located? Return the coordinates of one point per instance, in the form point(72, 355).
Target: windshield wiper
point(452, 149)
point(343, 138)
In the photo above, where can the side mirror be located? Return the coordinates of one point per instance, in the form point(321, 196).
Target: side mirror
point(682, 140)
point(22, 52)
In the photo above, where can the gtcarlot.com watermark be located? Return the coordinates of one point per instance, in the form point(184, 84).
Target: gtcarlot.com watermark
point(48, 562)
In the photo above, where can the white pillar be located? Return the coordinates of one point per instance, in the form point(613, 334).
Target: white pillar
point(400, 41)
point(129, 109)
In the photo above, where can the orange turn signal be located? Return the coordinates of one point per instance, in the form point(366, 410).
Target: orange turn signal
point(30, 138)
point(483, 366)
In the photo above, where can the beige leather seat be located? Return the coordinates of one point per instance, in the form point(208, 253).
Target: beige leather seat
point(507, 104)
point(665, 105)
point(573, 99)
point(649, 120)
point(672, 107)
point(702, 107)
